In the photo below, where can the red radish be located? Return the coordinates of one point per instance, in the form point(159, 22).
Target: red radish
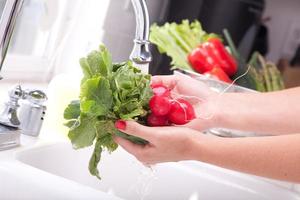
point(161, 90)
point(153, 85)
point(160, 105)
point(154, 120)
point(181, 112)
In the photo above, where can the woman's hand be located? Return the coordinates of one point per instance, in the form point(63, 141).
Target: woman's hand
point(265, 113)
point(173, 143)
point(197, 93)
point(274, 157)
point(184, 85)
point(166, 144)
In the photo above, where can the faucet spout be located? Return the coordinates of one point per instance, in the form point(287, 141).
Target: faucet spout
point(141, 54)
point(7, 24)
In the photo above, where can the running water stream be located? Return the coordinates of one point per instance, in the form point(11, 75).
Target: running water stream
point(144, 67)
point(143, 186)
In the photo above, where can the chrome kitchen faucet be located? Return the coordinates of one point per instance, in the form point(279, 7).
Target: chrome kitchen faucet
point(7, 23)
point(141, 55)
point(26, 119)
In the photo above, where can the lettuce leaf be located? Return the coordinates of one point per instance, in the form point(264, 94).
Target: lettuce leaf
point(178, 40)
point(108, 92)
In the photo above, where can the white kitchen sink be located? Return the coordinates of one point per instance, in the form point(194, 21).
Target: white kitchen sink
point(126, 178)
point(22, 182)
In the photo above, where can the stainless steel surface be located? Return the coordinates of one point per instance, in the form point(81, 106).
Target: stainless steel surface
point(26, 117)
point(9, 131)
point(9, 137)
point(9, 115)
point(141, 53)
point(7, 23)
point(32, 112)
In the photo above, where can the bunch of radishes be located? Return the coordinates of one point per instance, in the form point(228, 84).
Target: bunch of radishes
point(166, 110)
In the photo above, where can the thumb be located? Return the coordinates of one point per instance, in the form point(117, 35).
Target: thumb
point(198, 124)
point(135, 129)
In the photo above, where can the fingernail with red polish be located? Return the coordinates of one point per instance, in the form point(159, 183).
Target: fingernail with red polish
point(120, 124)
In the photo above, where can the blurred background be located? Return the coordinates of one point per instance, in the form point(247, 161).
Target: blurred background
point(52, 35)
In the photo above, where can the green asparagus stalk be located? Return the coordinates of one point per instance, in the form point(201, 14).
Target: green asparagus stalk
point(265, 72)
point(274, 76)
point(280, 78)
point(257, 79)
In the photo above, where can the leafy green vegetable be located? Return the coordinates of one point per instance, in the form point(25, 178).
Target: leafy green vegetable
point(73, 110)
point(178, 40)
point(83, 132)
point(108, 92)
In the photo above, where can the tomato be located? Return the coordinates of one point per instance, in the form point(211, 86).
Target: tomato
point(219, 74)
point(160, 105)
point(181, 112)
point(161, 90)
point(154, 120)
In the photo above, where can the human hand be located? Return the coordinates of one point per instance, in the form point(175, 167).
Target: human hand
point(184, 85)
point(197, 93)
point(166, 144)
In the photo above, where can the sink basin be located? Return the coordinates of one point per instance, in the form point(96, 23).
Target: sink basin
point(22, 182)
point(126, 178)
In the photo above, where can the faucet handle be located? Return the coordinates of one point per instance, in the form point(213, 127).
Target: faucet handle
point(9, 115)
point(34, 108)
point(35, 96)
point(16, 93)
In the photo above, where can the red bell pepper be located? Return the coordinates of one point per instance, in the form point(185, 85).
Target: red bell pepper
point(199, 59)
point(229, 64)
point(210, 54)
point(219, 74)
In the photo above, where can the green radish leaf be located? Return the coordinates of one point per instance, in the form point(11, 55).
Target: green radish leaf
point(108, 92)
